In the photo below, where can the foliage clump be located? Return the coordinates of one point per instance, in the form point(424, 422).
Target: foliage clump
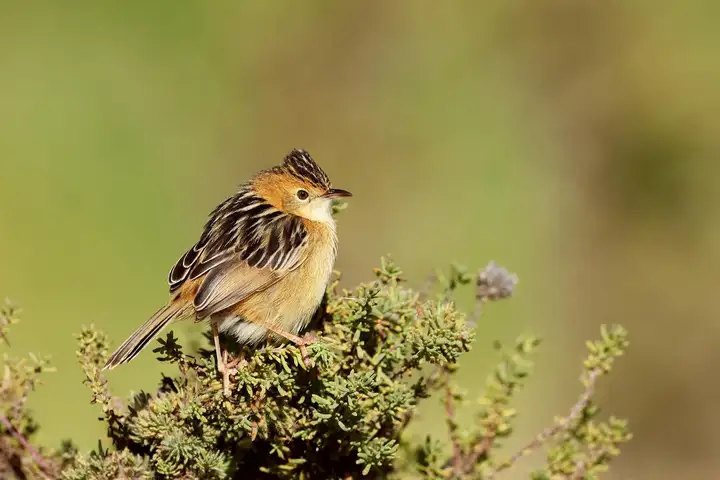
point(383, 348)
point(20, 376)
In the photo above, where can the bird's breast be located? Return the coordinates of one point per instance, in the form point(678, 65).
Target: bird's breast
point(313, 275)
point(291, 302)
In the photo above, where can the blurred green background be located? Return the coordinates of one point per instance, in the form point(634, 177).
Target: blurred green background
point(575, 143)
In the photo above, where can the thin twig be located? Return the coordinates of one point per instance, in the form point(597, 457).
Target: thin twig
point(582, 466)
point(575, 413)
point(477, 312)
point(467, 463)
point(579, 472)
point(492, 283)
point(7, 314)
point(458, 457)
point(19, 406)
point(480, 449)
point(26, 445)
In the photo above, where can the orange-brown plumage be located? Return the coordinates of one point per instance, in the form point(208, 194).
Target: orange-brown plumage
point(261, 264)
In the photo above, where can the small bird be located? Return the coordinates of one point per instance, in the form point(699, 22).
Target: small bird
point(260, 267)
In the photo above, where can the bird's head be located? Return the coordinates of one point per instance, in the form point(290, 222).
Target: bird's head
point(299, 187)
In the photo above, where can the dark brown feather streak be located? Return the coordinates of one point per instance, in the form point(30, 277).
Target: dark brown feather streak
point(300, 164)
point(244, 227)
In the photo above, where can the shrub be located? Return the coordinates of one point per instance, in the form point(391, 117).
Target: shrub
point(383, 348)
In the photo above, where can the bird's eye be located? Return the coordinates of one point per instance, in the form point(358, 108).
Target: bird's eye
point(302, 194)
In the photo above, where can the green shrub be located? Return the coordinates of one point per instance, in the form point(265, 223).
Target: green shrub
point(383, 348)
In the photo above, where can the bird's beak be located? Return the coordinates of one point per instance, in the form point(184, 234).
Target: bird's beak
point(337, 193)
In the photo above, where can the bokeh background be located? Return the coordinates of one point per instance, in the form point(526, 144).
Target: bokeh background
point(574, 142)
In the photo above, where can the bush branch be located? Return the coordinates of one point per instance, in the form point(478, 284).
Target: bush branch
point(550, 432)
point(42, 464)
point(458, 455)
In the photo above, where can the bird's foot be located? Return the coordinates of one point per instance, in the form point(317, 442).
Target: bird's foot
point(228, 367)
point(301, 342)
point(237, 363)
point(308, 339)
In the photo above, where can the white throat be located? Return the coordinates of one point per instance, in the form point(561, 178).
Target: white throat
point(320, 210)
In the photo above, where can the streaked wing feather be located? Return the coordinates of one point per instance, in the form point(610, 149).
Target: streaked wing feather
point(247, 245)
point(179, 272)
point(204, 266)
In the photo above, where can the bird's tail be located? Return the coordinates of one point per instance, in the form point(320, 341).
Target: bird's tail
point(146, 333)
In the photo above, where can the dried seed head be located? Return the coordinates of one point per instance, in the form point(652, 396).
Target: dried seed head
point(495, 283)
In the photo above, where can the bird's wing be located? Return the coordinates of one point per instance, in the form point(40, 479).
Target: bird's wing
point(247, 246)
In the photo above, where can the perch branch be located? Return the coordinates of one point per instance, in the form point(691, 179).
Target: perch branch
point(550, 432)
point(26, 445)
point(492, 283)
point(458, 455)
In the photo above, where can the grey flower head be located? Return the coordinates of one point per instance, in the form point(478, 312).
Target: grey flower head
point(495, 283)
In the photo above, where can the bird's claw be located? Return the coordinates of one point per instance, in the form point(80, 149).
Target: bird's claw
point(228, 368)
point(307, 361)
point(309, 338)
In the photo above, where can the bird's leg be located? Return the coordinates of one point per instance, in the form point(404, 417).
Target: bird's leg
point(221, 356)
point(231, 365)
point(218, 348)
point(302, 343)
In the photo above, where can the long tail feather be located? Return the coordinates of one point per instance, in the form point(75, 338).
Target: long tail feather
point(145, 334)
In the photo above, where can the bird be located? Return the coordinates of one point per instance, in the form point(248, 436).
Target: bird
point(260, 267)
